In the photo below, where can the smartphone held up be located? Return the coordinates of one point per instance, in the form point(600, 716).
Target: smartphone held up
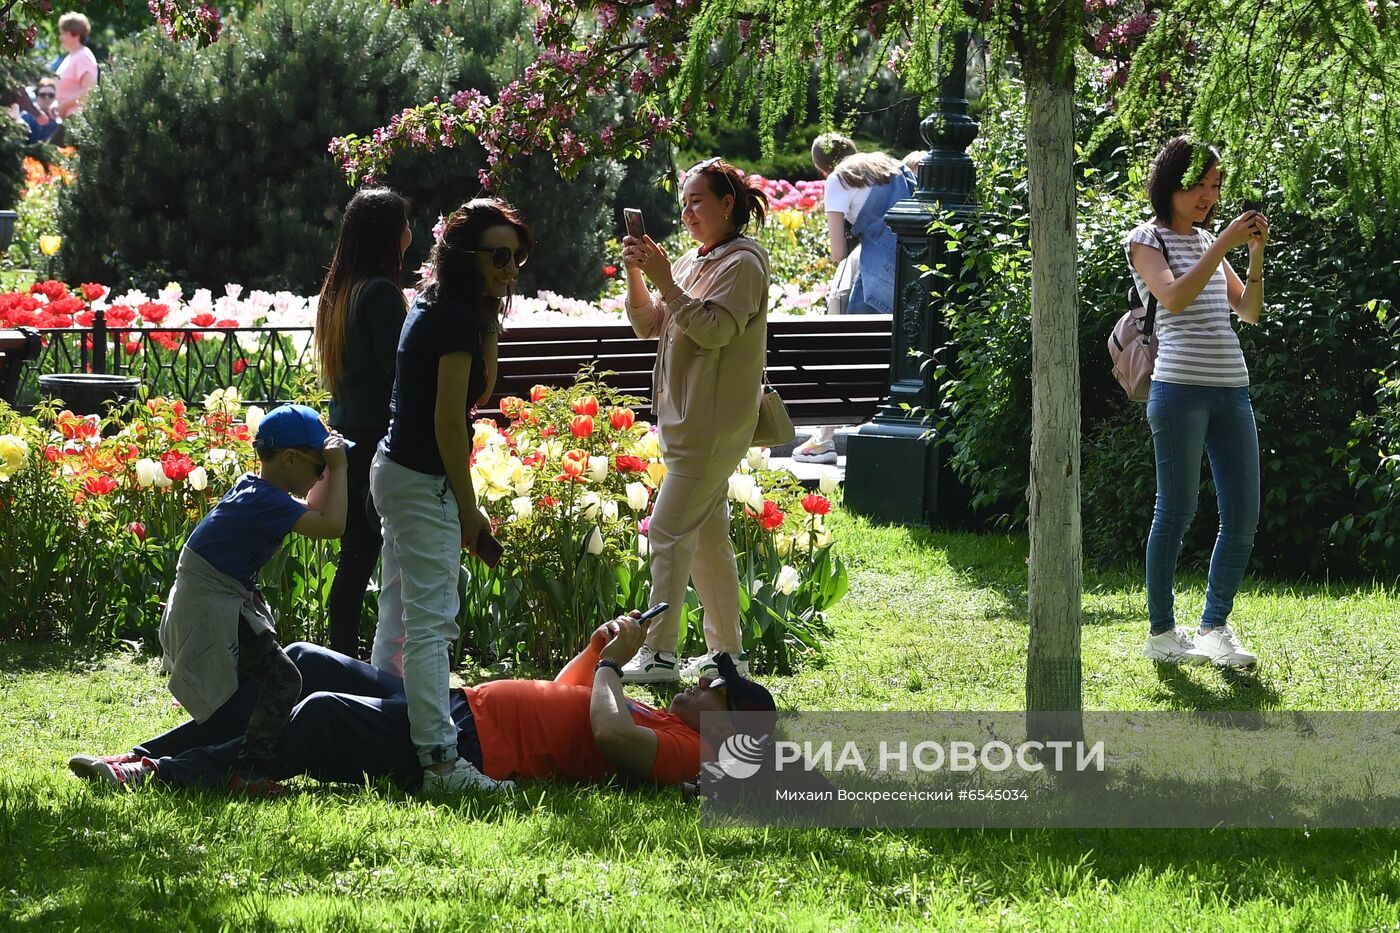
point(632, 220)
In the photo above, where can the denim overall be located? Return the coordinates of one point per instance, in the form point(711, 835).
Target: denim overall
point(873, 291)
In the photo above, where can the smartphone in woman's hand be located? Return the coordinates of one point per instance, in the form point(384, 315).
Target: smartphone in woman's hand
point(632, 220)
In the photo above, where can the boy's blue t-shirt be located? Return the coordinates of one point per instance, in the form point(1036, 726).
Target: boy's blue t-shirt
point(244, 530)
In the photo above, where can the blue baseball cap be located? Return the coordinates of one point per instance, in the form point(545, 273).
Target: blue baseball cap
point(291, 426)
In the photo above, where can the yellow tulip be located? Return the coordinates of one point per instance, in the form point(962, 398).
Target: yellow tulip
point(48, 245)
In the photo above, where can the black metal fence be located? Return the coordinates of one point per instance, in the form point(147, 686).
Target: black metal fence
point(266, 364)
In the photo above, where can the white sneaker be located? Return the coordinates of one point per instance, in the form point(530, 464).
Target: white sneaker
point(1174, 647)
point(822, 452)
point(463, 777)
point(705, 666)
point(1222, 647)
point(651, 667)
point(111, 770)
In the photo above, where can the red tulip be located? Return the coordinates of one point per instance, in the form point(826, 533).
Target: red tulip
point(581, 426)
point(816, 505)
point(585, 405)
point(610, 270)
point(139, 530)
point(538, 392)
point(176, 465)
point(626, 464)
point(771, 517)
point(99, 484)
point(621, 419)
point(239, 365)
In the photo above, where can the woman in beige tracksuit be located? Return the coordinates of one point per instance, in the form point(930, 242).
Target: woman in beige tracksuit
point(710, 313)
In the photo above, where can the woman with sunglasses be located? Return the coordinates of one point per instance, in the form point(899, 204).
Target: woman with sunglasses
point(420, 476)
point(38, 113)
point(710, 315)
point(358, 319)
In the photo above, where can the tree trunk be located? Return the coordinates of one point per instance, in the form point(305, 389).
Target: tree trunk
point(1053, 679)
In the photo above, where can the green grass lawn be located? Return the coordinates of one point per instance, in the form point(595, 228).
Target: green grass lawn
point(933, 621)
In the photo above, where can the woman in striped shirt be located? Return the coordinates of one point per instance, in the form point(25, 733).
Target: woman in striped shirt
point(1200, 393)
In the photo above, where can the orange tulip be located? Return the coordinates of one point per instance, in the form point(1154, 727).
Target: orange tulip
point(538, 392)
point(581, 426)
point(586, 405)
point(512, 406)
point(621, 418)
point(575, 463)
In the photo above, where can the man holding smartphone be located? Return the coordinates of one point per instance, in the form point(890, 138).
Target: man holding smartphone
point(352, 723)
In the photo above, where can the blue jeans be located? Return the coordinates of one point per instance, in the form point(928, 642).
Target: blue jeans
point(418, 599)
point(1184, 420)
point(351, 723)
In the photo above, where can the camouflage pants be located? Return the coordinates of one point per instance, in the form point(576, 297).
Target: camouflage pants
point(262, 660)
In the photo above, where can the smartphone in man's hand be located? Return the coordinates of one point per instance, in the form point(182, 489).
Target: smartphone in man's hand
point(645, 618)
point(632, 220)
point(488, 548)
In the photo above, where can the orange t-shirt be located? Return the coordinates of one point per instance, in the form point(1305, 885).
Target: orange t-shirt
point(541, 729)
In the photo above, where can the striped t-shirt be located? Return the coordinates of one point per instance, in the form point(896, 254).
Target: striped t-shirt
point(1197, 347)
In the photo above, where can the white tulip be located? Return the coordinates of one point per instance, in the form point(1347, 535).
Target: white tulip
point(643, 545)
point(198, 479)
point(161, 480)
point(637, 496)
point(609, 510)
point(588, 504)
point(828, 480)
point(146, 470)
point(522, 507)
point(253, 418)
point(787, 581)
point(741, 488)
point(755, 500)
point(757, 458)
point(597, 469)
point(595, 542)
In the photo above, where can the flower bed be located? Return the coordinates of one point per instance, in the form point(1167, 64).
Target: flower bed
point(94, 512)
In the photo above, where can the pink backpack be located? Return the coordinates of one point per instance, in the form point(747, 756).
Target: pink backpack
point(1132, 345)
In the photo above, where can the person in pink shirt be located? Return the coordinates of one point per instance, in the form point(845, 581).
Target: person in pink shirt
point(77, 74)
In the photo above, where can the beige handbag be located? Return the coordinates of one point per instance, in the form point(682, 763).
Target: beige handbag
point(774, 426)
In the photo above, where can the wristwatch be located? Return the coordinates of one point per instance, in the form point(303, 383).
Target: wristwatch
point(608, 663)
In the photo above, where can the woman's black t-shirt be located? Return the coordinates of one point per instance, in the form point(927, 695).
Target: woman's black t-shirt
point(433, 328)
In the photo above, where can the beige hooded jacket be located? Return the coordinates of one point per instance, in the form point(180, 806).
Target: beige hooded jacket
point(713, 330)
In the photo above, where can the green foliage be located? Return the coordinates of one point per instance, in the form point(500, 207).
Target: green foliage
point(12, 151)
point(1313, 362)
point(210, 166)
point(1372, 462)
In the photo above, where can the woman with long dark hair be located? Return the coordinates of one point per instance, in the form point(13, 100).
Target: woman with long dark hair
point(709, 313)
point(1200, 393)
point(358, 319)
point(421, 473)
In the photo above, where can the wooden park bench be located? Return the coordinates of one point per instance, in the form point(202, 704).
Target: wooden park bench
point(16, 347)
point(828, 369)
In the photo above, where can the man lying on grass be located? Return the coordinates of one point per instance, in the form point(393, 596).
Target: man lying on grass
point(352, 723)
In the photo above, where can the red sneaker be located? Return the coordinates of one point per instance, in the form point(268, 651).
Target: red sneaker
point(257, 787)
point(126, 759)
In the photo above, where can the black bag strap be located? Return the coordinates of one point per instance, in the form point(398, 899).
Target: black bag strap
point(1151, 319)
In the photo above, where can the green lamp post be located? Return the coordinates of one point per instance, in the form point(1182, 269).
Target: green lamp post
point(895, 470)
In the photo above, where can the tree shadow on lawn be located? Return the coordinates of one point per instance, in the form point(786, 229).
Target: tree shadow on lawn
point(1005, 863)
point(30, 657)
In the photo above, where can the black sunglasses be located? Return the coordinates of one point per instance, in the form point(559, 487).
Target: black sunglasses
point(46, 94)
point(502, 255)
point(315, 461)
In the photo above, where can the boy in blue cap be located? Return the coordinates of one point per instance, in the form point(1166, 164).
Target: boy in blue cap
point(217, 627)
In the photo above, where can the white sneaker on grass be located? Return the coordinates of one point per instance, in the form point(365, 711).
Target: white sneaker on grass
point(462, 777)
point(1223, 648)
point(1173, 647)
point(651, 667)
point(109, 771)
point(705, 666)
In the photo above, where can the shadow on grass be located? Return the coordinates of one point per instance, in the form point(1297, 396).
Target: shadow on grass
point(21, 657)
point(1245, 690)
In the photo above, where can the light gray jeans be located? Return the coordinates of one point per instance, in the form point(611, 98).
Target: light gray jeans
point(418, 598)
